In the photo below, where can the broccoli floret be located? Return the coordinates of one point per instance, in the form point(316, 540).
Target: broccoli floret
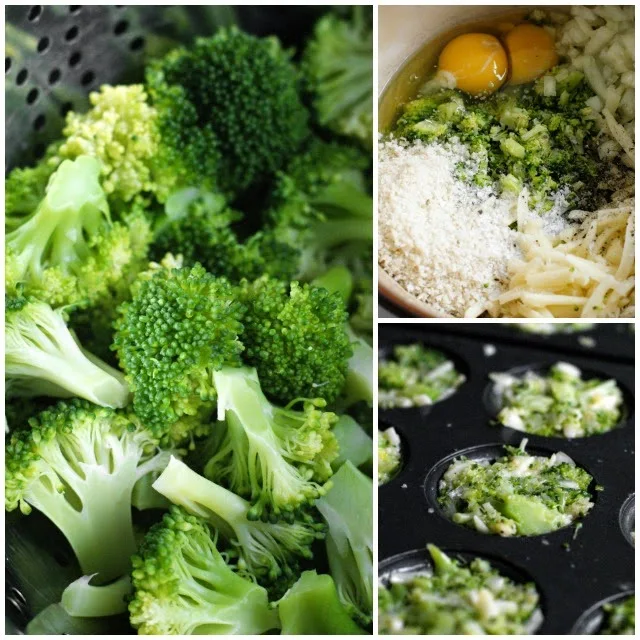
point(312, 607)
point(183, 585)
point(338, 63)
point(229, 110)
point(180, 326)
point(43, 358)
point(322, 201)
point(69, 251)
point(269, 551)
point(120, 130)
point(200, 230)
point(275, 457)
point(295, 337)
point(77, 464)
point(348, 511)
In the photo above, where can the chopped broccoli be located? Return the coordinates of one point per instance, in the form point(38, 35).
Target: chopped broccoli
point(229, 110)
point(180, 326)
point(312, 607)
point(69, 251)
point(274, 456)
point(295, 336)
point(267, 550)
point(348, 511)
point(338, 63)
point(43, 358)
point(77, 464)
point(183, 585)
point(354, 443)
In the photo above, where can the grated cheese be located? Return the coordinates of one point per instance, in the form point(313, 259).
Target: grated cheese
point(446, 242)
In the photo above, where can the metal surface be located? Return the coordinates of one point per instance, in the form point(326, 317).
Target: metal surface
point(54, 56)
point(574, 573)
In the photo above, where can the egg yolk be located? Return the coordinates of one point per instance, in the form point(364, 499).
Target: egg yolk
point(531, 52)
point(477, 62)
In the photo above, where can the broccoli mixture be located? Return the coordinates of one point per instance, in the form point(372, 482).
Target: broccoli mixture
point(389, 454)
point(457, 599)
point(558, 404)
point(415, 377)
point(551, 328)
point(516, 495)
point(518, 136)
point(188, 329)
point(619, 618)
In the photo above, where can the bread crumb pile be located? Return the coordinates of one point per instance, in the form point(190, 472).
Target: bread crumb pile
point(446, 242)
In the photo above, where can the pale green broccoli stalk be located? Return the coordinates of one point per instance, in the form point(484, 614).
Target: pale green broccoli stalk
point(183, 585)
point(120, 130)
point(338, 63)
point(276, 457)
point(180, 326)
point(269, 551)
point(354, 443)
point(69, 251)
point(77, 464)
point(348, 511)
point(312, 607)
point(43, 358)
point(81, 599)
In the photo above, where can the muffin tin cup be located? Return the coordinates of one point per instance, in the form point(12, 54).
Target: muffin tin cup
point(572, 569)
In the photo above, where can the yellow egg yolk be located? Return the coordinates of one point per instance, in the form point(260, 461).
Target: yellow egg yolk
point(531, 52)
point(476, 61)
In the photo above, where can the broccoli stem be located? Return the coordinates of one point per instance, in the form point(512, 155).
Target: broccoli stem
point(96, 509)
point(345, 197)
point(337, 280)
point(84, 600)
point(201, 497)
point(330, 233)
point(40, 347)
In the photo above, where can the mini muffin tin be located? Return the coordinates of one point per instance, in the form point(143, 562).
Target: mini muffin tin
point(575, 570)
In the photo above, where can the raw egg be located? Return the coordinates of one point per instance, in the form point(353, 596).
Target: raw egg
point(531, 52)
point(476, 61)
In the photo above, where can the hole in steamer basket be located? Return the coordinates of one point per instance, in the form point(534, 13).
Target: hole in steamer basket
point(402, 567)
point(628, 519)
point(592, 621)
point(434, 375)
point(485, 498)
point(602, 409)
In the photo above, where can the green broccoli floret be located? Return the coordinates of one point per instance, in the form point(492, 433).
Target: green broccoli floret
point(43, 358)
point(69, 251)
point(77, 464)
point(312, 607)
point(120, 130)
point(183, 585)
point(200, 230)
point(338, 63)
point(274, 456)
point(269, 551)
point(229, 110)
point(348, 511)
point(180, 326)
point(322, 201)
point(295, 337)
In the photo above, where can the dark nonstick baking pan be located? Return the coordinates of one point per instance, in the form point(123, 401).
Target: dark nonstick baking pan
point(575, 570)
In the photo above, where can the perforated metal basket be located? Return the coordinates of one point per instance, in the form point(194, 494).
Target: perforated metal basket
point(54, 57)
